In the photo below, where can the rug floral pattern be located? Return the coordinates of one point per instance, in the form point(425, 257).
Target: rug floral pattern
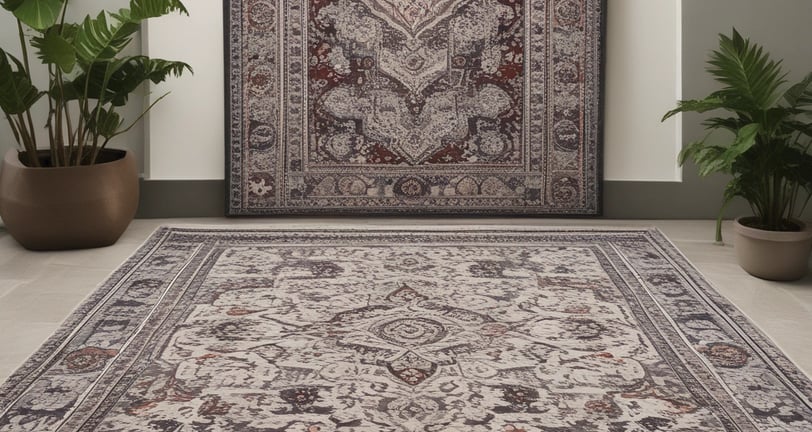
point(362, 331)
point(414, 106)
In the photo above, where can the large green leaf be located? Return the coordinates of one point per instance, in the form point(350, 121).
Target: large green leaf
point(747, 71)
point(67, 92)
point(745, 140)
point(90, 83)
point(700, 152)
point(734, 188)
point(17, 94)
point(800, 94)
point(96, 39)
point(699, 106)
point(774, 119)
point(114, 81)
point(37, 14)
point(158, 70)
point(104, 123)
point(713, 158)
point(144, 9)
point(710, 160)
point(133, 71)
point(731, 124)
point(53, 48)
point(10, 5)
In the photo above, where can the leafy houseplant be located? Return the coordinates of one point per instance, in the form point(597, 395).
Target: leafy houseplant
point(76, 193)
point(88, 77)
point(769, 154)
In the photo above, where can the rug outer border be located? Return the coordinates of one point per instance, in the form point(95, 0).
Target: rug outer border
point(600, 121)
point(745, 328)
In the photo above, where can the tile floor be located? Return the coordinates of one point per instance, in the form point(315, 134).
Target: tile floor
point(39, 290)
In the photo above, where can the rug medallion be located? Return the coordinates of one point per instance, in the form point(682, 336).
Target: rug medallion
point(414, 106)
point(407, 331)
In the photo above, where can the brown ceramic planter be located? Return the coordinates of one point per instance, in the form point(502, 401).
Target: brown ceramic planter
point(71, 207)
point(773, 255)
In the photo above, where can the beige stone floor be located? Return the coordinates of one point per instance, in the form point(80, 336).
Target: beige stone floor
point(39, 290)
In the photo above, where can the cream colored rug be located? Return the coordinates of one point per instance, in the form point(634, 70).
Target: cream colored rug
point(477, 330)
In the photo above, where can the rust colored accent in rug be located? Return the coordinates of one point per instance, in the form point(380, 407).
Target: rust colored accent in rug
point(478, 107)
point(407, 331)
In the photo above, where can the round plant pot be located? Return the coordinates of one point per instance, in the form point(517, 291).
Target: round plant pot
point(773, 255)
point(68, 207)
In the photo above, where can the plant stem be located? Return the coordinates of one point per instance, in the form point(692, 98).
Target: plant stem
point(14, 129)
point(50, 123)
point(764, 195)
point(125, 130)
point(30, 148)
point(24, 47)
point(81, 129)
point(719, 228)
point(31, 129)
point(776, 211)
point(84, 105)
point(98, 150)
point(69, 123)
point(59, 139)
point(62, 104)
point(31, 134)
point(94, 150)
point(62, 18)
point(99, 106)
point(65, 110)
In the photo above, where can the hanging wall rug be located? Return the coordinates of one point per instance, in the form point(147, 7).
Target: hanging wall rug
point(407, 331)
point(475, 107)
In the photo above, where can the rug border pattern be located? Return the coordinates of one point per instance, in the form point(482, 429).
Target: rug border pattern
point(787, 372)
point(593, 136)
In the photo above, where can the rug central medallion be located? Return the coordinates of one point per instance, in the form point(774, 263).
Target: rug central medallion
point(474, 330)
point(377, 80)
point(424, 106)
point(412, 348)
point(412, 16)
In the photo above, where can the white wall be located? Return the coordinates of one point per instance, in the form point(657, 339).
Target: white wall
point(186, 137)
point(643, 77)
point(186, 129)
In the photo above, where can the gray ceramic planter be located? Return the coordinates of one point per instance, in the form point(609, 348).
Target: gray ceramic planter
point(773, 255)
point(70, 207)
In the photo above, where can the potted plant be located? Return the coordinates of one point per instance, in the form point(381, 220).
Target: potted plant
point(75, 192)
point(768, 155)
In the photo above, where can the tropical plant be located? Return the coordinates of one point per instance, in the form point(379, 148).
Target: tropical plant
point(89, 77)
point(769, 155)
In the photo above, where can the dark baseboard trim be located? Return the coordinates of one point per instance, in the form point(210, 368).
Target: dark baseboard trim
point(666, 200)
point(622, 200)
point(181, 198)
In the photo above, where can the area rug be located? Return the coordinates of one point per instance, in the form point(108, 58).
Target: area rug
point(397, 330)
point(404, 106)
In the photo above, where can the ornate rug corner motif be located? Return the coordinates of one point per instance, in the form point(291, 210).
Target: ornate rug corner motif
point(407, 106)
point(407, 331)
